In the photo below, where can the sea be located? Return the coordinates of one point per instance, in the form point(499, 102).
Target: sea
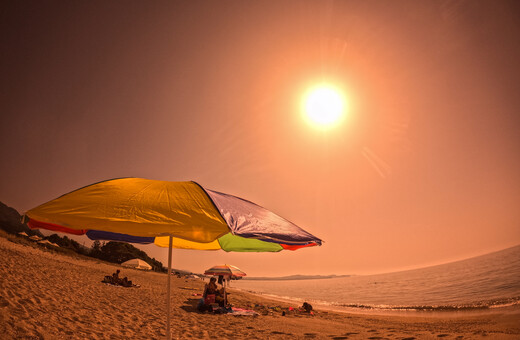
point(480, 283)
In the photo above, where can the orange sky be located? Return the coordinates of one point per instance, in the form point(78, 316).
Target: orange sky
point(425, 169)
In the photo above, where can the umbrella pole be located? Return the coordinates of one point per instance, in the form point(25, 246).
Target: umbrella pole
point(224, 286)
point(168, 334)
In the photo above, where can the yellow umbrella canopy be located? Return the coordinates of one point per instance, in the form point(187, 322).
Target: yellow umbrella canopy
point(137, 207)
point(140, 210)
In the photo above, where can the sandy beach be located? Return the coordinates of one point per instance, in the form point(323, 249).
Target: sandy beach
point(49, 295)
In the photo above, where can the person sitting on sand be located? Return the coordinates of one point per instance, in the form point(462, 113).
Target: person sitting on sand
point(208, 297)
point(125, 282)
point(115, 277)
point(220, 297)
point(211, 287)
point(307, 307)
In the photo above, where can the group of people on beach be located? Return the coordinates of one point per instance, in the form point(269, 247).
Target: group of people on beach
point(212, 297)
point(215, 300)
point(116, 280)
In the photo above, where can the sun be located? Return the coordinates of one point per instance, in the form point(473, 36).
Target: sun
point(324, 106)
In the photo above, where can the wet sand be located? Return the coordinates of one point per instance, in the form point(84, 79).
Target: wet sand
point(49, 295)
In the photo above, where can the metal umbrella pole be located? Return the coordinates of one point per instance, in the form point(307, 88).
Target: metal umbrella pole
point(168, 334)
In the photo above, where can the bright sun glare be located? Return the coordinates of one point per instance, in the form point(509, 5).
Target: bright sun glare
point(324, 106)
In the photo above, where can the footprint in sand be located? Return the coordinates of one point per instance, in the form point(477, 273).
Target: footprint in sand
point(98, 335)
point(4, 302)
point(10, 294)
point(21, 311)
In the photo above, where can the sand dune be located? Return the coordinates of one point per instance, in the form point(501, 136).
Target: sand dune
point(46, 295)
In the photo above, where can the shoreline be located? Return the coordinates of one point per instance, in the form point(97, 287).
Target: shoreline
point(510, 309)
point(45, 294)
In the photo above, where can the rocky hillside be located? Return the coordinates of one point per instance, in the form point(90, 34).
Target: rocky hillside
point(115, 252)
point(11, 221)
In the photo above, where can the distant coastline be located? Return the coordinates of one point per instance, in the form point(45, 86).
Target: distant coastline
point(294, 277)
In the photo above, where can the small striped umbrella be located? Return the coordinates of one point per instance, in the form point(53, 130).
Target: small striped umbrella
point(225, 270)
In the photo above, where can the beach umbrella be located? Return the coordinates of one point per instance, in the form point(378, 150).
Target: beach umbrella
point(170, 214)
point(224, 270)
point(137, 264)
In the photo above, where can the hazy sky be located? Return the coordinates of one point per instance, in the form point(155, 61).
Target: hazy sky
point(424, 169)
